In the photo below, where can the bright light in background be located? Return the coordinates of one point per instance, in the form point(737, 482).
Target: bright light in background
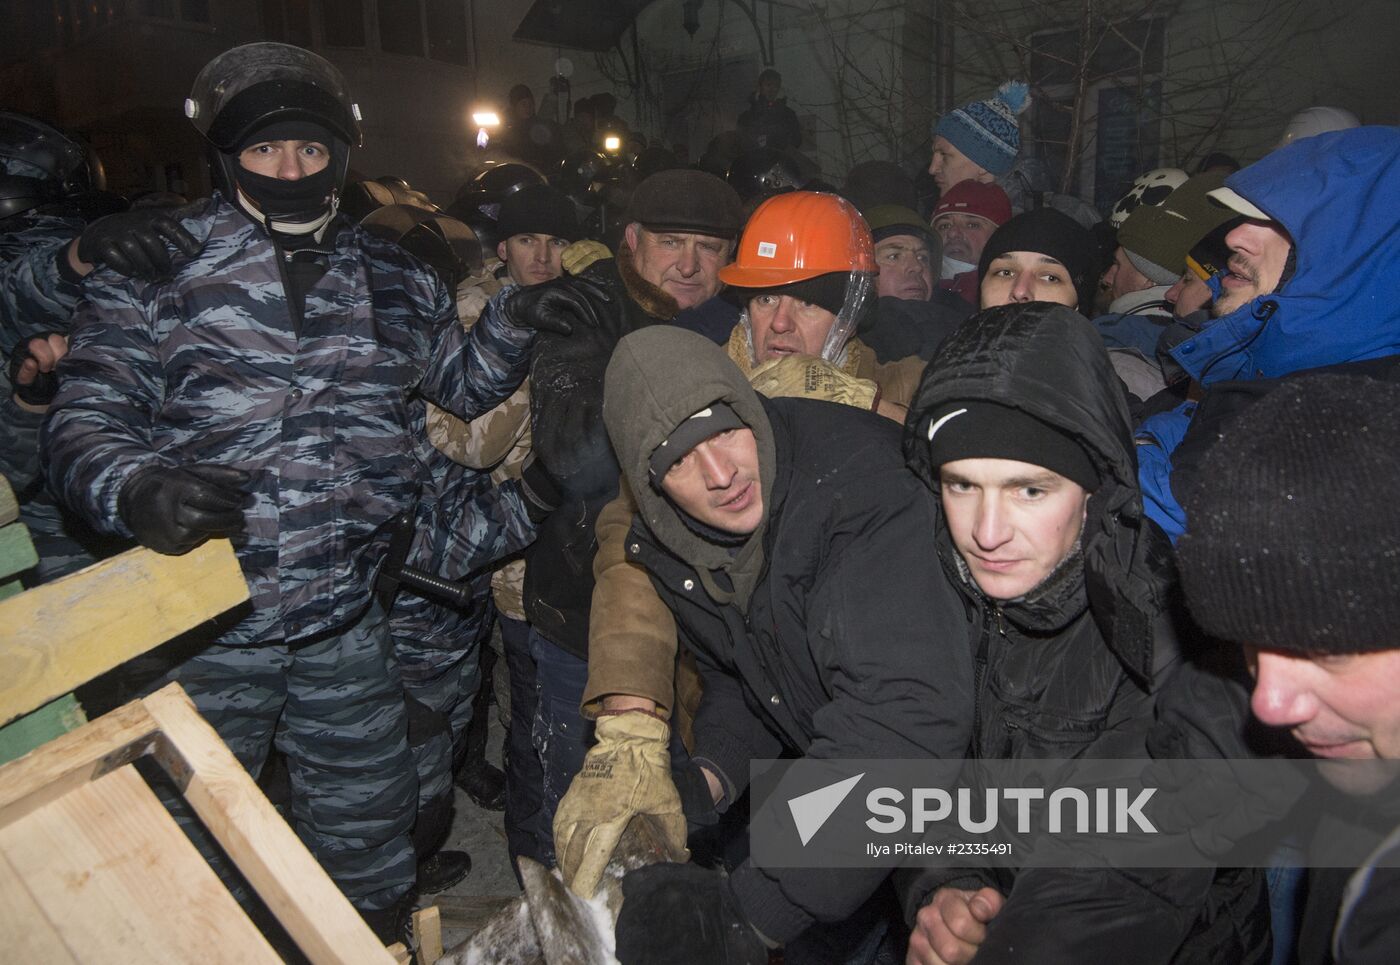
point(482, 138)
point(612, 143)
point(486, 119)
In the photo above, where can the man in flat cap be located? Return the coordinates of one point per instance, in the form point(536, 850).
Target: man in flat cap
point(680, 229)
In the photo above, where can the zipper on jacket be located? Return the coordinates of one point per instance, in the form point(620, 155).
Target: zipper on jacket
point(980, 665)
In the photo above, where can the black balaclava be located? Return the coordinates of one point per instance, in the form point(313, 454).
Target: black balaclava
point(293, 212)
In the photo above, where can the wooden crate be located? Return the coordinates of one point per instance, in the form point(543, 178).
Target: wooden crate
point(94, 869)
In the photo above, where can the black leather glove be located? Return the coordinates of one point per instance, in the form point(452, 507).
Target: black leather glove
point(43, 388)
point(682, 914)
point(555, 306)
point(173, 509)
point(696, 800)
point(134, 242)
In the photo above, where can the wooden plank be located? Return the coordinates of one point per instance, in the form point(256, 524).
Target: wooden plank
point(74, 759)
point(9, 505)
point(62, 634)
point(120, 882)
point(54, 719)
point(17, 552)
point(427, 929)
point(292, 885)
point(28, 934)
point(469, 912)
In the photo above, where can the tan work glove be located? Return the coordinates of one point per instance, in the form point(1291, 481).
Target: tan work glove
point(808, 377)
point(581, 254)
point(627, 772)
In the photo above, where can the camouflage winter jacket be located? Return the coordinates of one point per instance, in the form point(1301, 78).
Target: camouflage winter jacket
point(496, 442)
point(38, 293)
point(208, 367)
point(37, 290)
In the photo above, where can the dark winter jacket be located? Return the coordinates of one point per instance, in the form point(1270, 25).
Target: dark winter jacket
point(1341, 304)
point(823, 634)
point(901, 327)
point(1349, 918)
point(566, 416)
point(1072, 669)
point(211, 366)
point(770, 124)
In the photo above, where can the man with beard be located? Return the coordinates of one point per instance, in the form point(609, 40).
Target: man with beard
point(1310, 282)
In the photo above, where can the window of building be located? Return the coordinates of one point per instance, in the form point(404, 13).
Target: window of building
point(1121, 107)
point(448, 38)
point(190, 11)
point(287, 21)
point(85, 16)
point(343, 23)
point(29, 27)
point(401, 27)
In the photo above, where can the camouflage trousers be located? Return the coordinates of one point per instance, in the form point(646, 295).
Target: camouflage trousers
point(438, 690)
point(334, 706)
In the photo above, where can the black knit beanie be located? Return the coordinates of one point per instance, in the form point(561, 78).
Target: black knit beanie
point(1293, 521)
point(974, 429)
point(826, 291)
point(1053, 233)
point(709, 421)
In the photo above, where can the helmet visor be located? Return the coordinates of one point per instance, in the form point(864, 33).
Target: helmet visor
point(251, 86)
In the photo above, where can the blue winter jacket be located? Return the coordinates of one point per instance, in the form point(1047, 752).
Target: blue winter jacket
point(1337, 195)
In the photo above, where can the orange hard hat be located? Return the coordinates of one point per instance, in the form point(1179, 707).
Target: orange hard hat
point(799, 235)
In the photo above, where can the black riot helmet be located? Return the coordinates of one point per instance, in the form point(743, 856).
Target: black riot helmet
point(478, 202)
point(274, 89)
point(762, 173)
point(447, 245)
point(40, 165)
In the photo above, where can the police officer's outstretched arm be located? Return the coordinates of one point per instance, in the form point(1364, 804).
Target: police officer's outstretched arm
point(558, 305)
point(133, 243)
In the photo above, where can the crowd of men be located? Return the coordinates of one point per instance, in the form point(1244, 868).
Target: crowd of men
point(802, 474)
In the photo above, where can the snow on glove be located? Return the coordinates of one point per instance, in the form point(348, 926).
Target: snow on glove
point(626, 773)
point(809, 377)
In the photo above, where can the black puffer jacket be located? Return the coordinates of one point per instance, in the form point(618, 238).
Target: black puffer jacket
point(1073, 669)
point(566, 416)
point(827, 634)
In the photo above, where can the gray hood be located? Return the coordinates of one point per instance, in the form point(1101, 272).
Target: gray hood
point(658, 377)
